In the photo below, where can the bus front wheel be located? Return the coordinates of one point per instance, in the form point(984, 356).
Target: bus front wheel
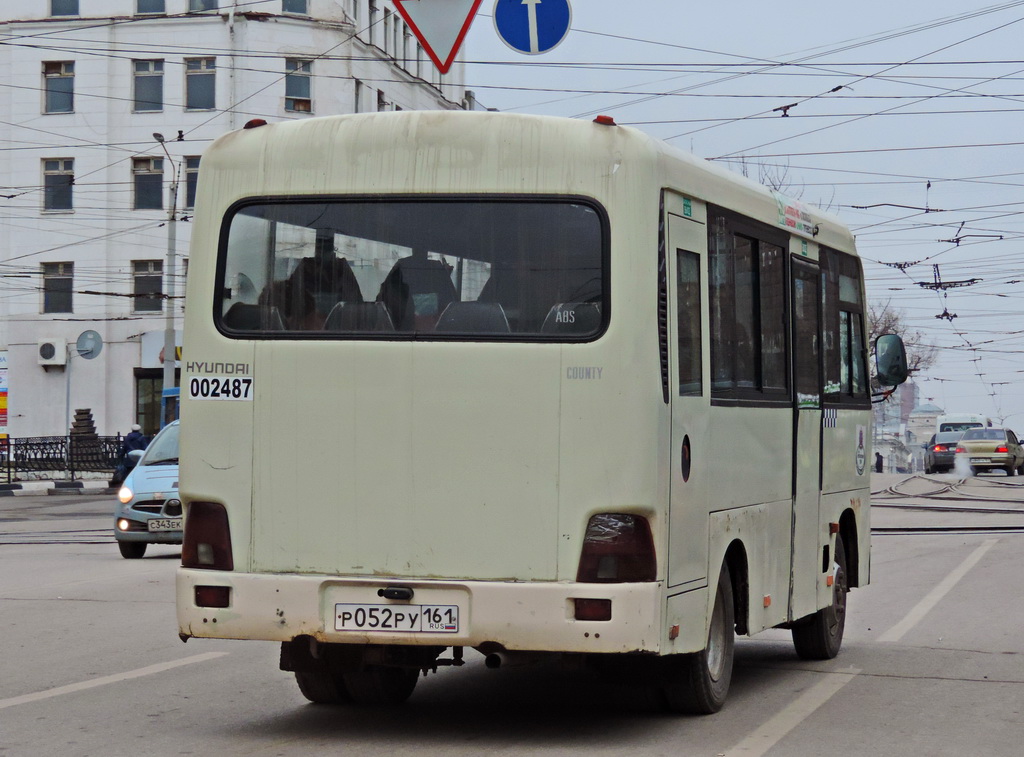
point(820, 636)
point(701, 685)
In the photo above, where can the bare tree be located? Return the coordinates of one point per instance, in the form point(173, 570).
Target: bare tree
point(777, 177)
point(883, 318)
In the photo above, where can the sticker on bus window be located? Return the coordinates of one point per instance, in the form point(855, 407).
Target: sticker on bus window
point(220, 388)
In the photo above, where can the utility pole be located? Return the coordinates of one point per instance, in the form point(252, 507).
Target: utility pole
point(170, 346)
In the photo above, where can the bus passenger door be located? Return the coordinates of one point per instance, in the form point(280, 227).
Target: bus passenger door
point(689, 394)
point(806, 556)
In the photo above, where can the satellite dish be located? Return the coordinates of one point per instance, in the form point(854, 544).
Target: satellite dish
point(89, 344)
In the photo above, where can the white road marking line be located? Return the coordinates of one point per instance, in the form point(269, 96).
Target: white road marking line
point(933, 597)
point(801, 708)
point(103, 681)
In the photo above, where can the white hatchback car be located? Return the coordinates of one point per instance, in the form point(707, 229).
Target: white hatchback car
point(149, 511)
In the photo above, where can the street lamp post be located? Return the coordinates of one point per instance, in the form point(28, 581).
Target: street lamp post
point(170, 346)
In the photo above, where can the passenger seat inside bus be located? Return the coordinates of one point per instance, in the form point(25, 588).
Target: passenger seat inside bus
point(312, 290)
point(416, 292)
point(243, 317)
point(359, 316)
point(473, 318)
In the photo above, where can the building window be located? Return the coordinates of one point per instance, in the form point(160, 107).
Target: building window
point(59, 86)
point(191, 180)
point(295, 6)
point(147, 285)
point(202, 5)
point(58, 177)
point(150, 6)
point(63, 7)
point(382, 104)
point(200, 83)
point(149, 85)
point(148, 181)
point(57, 281)
point(373, 22)
point(358, 105)
point(148, 390)
point(297, 86)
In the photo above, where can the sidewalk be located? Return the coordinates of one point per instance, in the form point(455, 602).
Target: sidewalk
point(36, 488)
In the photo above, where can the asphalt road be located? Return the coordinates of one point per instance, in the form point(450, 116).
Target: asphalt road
point(932, 663)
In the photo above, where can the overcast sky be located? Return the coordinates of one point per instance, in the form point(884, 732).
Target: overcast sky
point(907, 121)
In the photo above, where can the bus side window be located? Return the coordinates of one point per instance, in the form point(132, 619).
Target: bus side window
point(843, 328)
point(747, 290)
point(689, 323)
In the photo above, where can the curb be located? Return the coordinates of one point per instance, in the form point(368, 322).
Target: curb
point(59, 488)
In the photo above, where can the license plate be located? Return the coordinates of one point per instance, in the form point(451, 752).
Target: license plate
point(981, 460)
point(164, 524)
point(398, 618)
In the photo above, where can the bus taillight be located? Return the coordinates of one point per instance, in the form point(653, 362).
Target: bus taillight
point(617, 548)
point(207, 541)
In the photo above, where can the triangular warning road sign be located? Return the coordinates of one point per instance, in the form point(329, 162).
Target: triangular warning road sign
point(439, 25)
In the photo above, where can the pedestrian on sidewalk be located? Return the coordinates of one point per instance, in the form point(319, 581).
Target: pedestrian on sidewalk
point(135, 440)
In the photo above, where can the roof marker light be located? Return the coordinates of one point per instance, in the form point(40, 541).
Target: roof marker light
point(254, 123)
point(605, 121)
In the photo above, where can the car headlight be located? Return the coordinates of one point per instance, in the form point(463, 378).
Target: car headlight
point(125, 495)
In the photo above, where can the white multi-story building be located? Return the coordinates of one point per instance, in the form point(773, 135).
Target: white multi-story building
point(86, 185)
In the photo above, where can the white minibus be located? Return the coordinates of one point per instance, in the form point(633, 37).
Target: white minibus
point(527, 385)
point(961, 422)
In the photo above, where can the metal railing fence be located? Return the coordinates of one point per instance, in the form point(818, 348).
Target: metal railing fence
point(65, 455)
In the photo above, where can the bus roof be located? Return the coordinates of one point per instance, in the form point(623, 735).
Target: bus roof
point(399, 152)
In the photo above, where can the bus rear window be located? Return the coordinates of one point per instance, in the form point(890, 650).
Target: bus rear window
point(403, 268)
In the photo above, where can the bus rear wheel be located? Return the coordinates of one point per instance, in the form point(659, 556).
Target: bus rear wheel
point(380, 685)
point(321, 686)
point(701, 684)
point(820, 636)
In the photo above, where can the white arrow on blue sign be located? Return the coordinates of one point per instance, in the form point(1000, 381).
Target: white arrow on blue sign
point(532, 26)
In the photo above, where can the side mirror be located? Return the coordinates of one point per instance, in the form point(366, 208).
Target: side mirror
point(890, 360)
point(134, 455)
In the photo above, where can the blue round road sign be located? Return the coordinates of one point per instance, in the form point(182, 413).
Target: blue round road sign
point(532, 26)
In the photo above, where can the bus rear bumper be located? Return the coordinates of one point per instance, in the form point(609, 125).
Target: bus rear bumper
point(539, 617)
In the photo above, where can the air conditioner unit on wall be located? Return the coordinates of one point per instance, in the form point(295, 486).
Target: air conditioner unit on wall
point(52, 352)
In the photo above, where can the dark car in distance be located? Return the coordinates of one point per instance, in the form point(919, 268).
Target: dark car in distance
point(940, 452)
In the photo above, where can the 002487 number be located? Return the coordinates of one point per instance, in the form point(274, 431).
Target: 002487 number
point(401, 618)
point(220, 388)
